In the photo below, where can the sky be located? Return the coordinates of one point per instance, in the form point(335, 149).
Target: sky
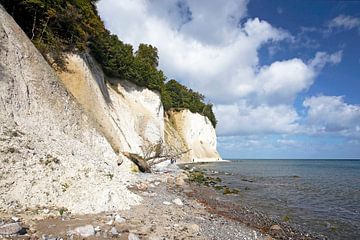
point(284, 76)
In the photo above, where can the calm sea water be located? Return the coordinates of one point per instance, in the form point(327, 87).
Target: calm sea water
point(321, 196)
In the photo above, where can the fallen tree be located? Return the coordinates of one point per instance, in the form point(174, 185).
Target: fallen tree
point(154, 153)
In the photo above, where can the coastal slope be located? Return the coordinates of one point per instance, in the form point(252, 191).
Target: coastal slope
point(51, 153)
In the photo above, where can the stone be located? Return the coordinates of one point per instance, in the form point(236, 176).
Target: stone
point(119, 219)
point(178, 202)
point(46, 211)
point(275, 227)
point(114, 231)
point(10, 228)
point(110, 222)
point(15, 219)
point(194, 228)
point(166, 203)
point(179, 182)
point(84, 231)
point(119, 161)
point(142, 186)
point(170, 180)
point(48, 237)
point(133, 236)
point(97, 229)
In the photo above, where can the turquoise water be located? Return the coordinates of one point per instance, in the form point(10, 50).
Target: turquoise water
point(322, 196)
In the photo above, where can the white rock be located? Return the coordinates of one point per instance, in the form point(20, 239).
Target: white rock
point(110, 222)
point(194, 227)
point(119, 219)
point(15, 219)
point(114, 231)
point(275, 227)
point(178, 202)
point(84, 231)
point(10, 228)
point(132, 236)
point(166, 203)
point(46, 211)
point(97, 229)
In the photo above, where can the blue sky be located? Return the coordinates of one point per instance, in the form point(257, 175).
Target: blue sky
point(284, 76)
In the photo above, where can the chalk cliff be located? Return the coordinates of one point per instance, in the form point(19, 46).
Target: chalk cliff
point(61, 133)
point(193, 132)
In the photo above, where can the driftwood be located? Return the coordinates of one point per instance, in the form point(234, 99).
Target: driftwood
point(145, 164)
point(139, 161)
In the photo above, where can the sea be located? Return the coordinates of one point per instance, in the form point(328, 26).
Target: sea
point(320, 196)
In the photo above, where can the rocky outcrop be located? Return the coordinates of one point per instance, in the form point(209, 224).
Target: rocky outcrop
point(51, 152)
point(187, 130)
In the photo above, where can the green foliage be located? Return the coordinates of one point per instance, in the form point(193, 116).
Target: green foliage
point(56, 26)
point(60, 26)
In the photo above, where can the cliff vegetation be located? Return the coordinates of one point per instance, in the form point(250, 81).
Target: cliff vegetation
point(57, 27)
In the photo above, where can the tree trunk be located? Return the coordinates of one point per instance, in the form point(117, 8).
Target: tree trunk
point(139, 161)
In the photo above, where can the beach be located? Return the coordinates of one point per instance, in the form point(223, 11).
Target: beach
point(172, 208)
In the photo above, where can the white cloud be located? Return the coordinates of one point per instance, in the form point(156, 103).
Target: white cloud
point(241, 118)
point(322, 58)
point(280, 82)
point(330, 114)
point(345, 22)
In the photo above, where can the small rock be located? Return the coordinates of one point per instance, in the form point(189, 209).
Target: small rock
point(166, 203)
point(194, 228)
point(48, 237)
point(156, 183)
point(15, 219)
point(119, 161)
point(170, 180)
point(179, 181)
point(84, 231)
point(46, 211)
point(119, 219)
point(275, 227)
point(110, 222)
point(178, 202)
point(132, 236)
point(10, 228)
point(114, 231)
point(142, 186)
point(97, 229)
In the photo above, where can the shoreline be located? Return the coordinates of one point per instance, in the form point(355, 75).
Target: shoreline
point(172, 208)
point(166, 212)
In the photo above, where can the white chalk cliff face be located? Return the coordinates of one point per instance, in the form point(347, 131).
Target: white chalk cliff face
point(128, 115)
point(193, 132)
point(62, 133)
